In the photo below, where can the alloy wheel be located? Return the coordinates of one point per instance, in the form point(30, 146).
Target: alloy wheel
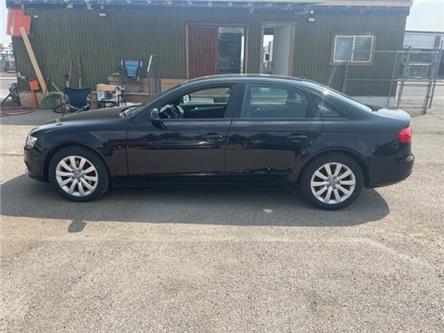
point(77, 176)
point(333, 183)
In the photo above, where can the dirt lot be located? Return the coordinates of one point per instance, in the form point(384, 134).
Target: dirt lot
point(222, 259)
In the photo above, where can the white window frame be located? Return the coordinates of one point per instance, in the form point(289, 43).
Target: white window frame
point(369, 61)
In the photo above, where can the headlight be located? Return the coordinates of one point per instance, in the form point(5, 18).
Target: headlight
point(31, 141)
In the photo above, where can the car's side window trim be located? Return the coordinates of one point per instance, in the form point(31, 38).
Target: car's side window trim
point(190, 120)
point(311, 105)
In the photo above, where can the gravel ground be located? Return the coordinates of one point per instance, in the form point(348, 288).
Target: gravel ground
point(222, 259)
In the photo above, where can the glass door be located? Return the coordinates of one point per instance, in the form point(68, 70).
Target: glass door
point(230, 44)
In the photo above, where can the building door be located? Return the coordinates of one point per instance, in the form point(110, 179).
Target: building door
point(202, 50)
point(214, 49)
point(277, 47)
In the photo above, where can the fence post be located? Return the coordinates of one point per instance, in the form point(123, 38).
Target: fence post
point(401, 86)
point(393, 81)
point(344, 81)
point(435, 75)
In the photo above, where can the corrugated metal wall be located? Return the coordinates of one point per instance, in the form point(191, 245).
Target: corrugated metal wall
point(60, 34)
point(313, 50)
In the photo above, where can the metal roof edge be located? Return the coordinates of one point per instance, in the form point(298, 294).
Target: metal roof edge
point(216, 3)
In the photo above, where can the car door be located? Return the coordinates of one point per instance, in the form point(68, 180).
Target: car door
point(276, 126)
point(192, 146)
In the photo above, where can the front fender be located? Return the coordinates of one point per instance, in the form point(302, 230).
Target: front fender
point(109, 145)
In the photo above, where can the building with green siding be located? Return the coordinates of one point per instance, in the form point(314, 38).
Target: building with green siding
point(318, 40)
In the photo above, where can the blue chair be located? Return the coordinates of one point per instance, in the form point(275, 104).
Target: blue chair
point(131, 70)
point(76, 100)
point(78, 97)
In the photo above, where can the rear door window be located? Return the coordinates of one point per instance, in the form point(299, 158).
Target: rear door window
point(264, 101)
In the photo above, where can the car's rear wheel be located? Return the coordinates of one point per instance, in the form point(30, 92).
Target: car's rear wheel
point(331, 181)
point(78, 174)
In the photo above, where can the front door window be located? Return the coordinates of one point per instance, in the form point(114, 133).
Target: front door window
point(208, 103)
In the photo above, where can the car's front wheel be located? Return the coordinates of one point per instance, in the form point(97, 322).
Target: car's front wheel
point(331, 181)
point(78, 174)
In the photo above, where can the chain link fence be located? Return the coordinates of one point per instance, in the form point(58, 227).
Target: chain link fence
point(407, 79)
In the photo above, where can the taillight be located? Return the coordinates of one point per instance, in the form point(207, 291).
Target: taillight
point(405, 135)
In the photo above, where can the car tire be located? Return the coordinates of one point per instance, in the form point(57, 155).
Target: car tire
point(331, 181)
point(87, 180)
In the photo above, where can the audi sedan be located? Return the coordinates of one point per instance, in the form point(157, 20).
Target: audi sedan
point(235, 129)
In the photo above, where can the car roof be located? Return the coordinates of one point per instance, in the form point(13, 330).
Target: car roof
point(251, 77)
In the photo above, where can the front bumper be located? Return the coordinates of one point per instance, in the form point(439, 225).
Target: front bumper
point(390, 171)
point(34, 164)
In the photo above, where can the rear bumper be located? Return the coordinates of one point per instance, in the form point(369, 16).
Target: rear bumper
point(390, 171)
point(34, 164)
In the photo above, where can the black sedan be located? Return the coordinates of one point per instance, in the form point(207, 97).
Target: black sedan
point(228, 129)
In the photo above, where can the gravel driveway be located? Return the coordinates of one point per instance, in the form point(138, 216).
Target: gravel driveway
point(211, 259)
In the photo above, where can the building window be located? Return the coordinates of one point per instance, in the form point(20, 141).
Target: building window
point(353, 48)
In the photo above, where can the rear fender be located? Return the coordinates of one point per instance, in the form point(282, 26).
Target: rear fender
point(307, 158)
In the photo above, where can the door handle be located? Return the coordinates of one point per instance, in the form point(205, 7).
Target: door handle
point(194, 109)
point(296, 137)
point(213, 136)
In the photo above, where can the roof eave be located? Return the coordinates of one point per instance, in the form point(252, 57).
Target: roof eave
point(276, 4)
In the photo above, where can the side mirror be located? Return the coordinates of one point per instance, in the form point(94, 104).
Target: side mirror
point(154, 115)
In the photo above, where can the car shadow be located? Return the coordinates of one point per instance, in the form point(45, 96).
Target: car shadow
point(256, 206)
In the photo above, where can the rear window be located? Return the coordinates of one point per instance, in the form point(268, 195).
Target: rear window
point(261, 95)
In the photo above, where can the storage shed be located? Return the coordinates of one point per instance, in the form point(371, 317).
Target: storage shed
point(305, 38)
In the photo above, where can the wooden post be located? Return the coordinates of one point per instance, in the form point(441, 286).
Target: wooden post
point(33, 59)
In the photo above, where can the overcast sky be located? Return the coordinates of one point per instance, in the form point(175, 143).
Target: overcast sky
point(425, 15)
point(3, 16)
